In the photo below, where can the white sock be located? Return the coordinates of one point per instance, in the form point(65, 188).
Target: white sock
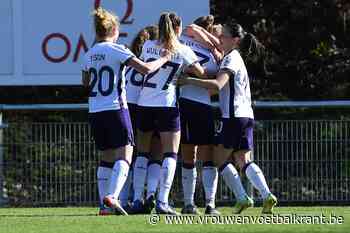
point(103, 178)
point(140, 173)
point(124, 194)
point(166, 178)
point(118, 178)
point(233, 181)
point(210, 183)
point(256, 177)
point(189, 178)
point(153, 177)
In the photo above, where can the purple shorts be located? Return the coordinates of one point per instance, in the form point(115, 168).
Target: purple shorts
point(197, 123)
point(133, 115)
point(160, 119)
point(111, 129)
point(236, 133)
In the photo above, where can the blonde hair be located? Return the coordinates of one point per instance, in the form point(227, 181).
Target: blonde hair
point(105, 22)
point(168, 22)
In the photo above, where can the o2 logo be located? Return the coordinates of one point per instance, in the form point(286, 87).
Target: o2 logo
point(75, 49)
point(129, 9)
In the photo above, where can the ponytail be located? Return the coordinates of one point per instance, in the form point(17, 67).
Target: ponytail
point(168, 22)
point(250, 48)
point(253, 54)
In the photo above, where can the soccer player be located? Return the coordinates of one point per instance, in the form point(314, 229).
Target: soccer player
point(197, 133)
point(236, 131)
point(103, 73)
point(157, 102)
point(143, 166)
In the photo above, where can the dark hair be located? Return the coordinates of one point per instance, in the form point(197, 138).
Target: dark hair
point(235, 29)
point(205, 22)
point(168, 22)
point(148, 33)
point(253, 54)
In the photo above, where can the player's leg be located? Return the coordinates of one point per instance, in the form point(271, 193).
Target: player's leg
point(209, 178)
point(169, 128)
point(189, 124)
point(118, 142)
point(104, 172)
point(229, 133)
point(153, 172)
point(127, 189)
point(144, 138)
point(125, 192)
point(103, 126)
point(189, 177)
point(119, 175)
point(251, 169)
point(205, 153)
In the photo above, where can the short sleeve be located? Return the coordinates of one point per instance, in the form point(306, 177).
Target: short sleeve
point(231, 62)
point(123, 53)
point(189, 57)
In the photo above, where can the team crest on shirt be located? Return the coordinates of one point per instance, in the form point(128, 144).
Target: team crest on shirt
point(227, 61)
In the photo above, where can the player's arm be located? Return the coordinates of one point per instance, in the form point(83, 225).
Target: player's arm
point(85, 78)
point(201, 31)
point(196, 70)
point(211, 84)
point(148, 67)
point(198, 35)
point(205, 38)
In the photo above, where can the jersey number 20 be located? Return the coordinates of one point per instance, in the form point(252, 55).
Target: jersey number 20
point(97, 80)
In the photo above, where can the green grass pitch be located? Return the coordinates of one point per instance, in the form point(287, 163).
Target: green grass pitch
point(84, 220)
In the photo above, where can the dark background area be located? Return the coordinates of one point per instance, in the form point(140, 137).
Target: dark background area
point(306, 47)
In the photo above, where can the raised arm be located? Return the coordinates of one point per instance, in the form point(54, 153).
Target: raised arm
point(206, 39)
point(194, 29)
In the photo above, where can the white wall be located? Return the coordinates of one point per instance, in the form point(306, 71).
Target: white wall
point(25, 24)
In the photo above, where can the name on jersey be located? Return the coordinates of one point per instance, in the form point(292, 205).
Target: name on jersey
point(157, 52)
point(192, 44)
point(97, 57)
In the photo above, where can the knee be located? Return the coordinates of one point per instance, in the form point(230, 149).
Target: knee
point(242, 158)
point(188, 154)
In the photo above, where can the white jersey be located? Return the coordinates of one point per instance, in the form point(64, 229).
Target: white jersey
point(207, 60)
point(105, 64)
point(134, 81)
point(159, 87)
point(234, 97)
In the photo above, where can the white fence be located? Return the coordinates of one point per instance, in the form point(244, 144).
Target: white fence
point(305, 161)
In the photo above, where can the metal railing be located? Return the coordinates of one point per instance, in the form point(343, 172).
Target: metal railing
point(55, 163)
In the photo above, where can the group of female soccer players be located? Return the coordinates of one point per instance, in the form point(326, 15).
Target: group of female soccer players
point(136, 92)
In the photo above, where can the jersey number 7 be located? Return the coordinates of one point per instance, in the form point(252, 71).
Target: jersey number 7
point(174, 69)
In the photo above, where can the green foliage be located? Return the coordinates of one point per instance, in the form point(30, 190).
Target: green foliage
point(307, 45)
